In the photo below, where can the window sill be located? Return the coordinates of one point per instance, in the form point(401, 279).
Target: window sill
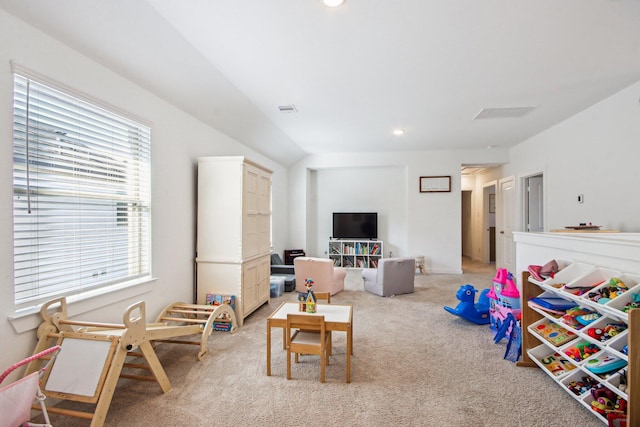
point(27, 319)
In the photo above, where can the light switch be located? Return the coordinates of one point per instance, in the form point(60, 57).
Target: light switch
point(580, 198)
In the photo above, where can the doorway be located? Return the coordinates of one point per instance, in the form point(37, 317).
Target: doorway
point(489, 226)
point(505, 223)
point(466, 224)
point(534, 203)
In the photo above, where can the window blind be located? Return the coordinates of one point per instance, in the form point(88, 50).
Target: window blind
point(81, 195)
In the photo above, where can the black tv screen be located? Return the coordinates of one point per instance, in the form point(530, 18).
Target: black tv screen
point(355, 225)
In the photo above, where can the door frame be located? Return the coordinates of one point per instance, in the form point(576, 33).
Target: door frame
point(486, 223)
point(507, 221)
point(524, 179)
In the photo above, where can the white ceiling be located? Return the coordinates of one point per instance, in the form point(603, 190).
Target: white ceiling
point(358, 71)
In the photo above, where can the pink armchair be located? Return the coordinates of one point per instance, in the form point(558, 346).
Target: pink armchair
point(326, 277)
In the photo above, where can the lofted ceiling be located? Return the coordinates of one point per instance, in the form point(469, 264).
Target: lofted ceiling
point(454, 74)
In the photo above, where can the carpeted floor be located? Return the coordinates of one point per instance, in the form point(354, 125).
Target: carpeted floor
point(414, 365)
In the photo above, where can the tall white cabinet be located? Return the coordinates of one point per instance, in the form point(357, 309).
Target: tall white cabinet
point(234, 231)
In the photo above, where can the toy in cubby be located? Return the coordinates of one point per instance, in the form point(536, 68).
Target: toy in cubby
point(468, 309)
point(607, 332)
point(581, 351)
point(557, 364)
point(579, 317)
point(582, 386)
point(603, 295)
point(634, 303)
point(606, 401)
point(605, 365)
point(504, 299)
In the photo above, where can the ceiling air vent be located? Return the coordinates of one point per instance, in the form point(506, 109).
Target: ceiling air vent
point(503, 113)
point(287, 108)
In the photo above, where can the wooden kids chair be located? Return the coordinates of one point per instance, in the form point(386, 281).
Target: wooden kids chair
point(303, 342)
point(326, 298)
point(323, 296)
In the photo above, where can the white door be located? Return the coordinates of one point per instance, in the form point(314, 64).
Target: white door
point(505, 208)
point(534, 204)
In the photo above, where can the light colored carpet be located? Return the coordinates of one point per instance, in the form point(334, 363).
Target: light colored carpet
point(414, 365)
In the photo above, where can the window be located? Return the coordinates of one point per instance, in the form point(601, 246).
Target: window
point(81, 195)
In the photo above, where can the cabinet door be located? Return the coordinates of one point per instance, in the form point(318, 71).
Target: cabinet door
point(255, 284)
point(256, 236)
point(264, 212)
point(264, 279)
point(250, 281)
point(250, 212)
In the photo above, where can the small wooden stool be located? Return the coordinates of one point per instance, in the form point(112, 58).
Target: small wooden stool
point(420, 265)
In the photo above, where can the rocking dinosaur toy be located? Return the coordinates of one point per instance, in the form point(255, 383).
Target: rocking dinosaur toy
point(468, 309)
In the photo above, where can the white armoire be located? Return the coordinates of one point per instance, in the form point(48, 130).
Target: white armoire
point(234, 231)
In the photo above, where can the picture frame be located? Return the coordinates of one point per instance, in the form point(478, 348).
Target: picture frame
point(435, 184)
point(492, 203)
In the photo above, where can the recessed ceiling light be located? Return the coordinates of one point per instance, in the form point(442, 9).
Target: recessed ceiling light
point(398, 132)
point(333, 3)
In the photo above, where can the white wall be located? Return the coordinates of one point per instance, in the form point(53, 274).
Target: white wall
point(594, 153)
point(433, 224)
point(363, 189)
point(177, 141)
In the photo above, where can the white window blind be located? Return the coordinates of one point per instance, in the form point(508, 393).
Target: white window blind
point(81, 195)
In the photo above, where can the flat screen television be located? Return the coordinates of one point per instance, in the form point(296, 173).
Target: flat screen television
point(355, 225)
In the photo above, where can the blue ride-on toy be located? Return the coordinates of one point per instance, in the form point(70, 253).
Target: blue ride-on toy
point(468, 309)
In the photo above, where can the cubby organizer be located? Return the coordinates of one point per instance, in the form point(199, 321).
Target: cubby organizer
point(355, 253)
point(580, 357)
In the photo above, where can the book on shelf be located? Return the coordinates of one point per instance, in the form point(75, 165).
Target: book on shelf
point(553, 302)
point(548, 310)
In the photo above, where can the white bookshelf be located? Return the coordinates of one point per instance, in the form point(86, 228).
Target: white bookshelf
point(355, 253)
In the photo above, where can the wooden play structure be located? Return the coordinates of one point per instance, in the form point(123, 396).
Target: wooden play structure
point(194, 318)
point(94, 355)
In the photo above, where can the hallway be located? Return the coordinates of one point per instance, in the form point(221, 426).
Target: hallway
point(477, 267)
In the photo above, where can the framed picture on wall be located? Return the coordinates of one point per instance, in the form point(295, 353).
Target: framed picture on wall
point(492, 203)
point(435, 184)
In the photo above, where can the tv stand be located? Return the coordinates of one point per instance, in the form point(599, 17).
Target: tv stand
point(358, 253)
